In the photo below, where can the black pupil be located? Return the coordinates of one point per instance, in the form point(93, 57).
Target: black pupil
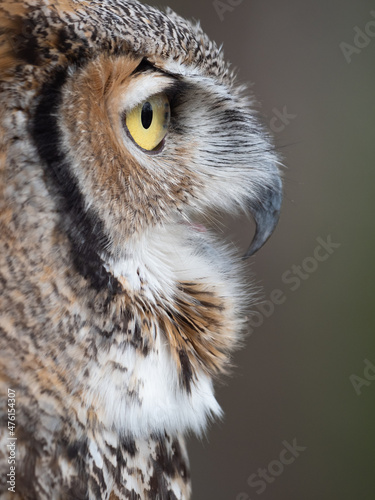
point(147, 114)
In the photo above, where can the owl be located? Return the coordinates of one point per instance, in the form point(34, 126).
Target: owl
point(123, 135)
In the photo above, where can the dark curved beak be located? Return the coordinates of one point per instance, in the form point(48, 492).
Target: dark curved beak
point(265, 211)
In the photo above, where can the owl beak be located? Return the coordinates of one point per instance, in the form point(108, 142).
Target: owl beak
point(265, 211)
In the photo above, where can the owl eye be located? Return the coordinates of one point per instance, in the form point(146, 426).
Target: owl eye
point(148, 122)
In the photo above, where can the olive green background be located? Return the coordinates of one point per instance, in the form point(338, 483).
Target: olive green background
point(293, 378)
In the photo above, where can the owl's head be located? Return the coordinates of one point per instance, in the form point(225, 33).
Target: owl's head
point(137, 119)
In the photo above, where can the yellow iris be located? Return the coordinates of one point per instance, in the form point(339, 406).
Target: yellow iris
point(148, 122)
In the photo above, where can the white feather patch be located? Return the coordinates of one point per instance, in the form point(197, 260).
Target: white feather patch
point(146, 395)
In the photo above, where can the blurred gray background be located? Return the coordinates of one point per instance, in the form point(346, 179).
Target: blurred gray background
point(302, 377)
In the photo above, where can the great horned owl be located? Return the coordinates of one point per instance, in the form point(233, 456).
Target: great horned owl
point(122, 134)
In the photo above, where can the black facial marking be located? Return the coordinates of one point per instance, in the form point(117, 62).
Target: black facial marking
point(84, 227)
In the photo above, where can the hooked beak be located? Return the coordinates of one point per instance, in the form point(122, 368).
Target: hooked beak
point(265, 211)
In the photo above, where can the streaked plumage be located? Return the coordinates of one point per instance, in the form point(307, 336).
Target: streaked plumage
point(118, 306)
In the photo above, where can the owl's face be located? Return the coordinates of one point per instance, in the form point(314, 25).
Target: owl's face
point(134, 135)
point(146, 146)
